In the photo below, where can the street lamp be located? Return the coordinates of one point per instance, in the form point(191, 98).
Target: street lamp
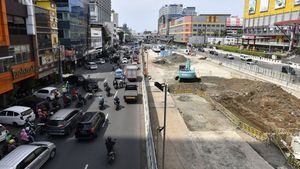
point(163, 87)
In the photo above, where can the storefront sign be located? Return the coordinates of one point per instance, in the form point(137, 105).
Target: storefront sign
point(23, 71)
point(279, 4)
point(264, 5)
point(252, 6)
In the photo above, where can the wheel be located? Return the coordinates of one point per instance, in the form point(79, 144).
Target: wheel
point(15, 124)
point(52, 154)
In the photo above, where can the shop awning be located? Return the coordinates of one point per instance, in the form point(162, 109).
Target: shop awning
point(288, 23)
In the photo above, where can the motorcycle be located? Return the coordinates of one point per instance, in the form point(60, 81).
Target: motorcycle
point(67, 100)
point(116, 86)
point(117, 103)
point(111, 156)
point(101, 105)
point(107, 89)
point(80, 103)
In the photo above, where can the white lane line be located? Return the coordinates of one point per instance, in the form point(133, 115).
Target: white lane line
point(86, 166)
point(106, 117)
point(71, 139)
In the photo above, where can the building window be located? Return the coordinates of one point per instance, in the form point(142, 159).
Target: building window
point(16, 25)
point(44, 40)
point(5, 64)
point(21, 53)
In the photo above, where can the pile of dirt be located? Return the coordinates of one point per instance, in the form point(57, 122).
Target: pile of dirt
point(176, 58)
point(264, 105)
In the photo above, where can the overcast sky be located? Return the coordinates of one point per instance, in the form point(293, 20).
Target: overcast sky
point(143, 14)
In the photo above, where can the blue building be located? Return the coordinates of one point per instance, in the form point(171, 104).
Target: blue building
point(72, 31)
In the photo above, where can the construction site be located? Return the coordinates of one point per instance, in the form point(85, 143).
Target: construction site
point(227, 120)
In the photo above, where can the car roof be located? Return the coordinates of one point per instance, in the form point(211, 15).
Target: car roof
point(61, 114)
point(91, 62)
point(48, 88)
point(18, 109)
point(17, 155)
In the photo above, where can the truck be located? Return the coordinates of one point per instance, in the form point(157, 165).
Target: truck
point(131, 72)
point(131, 92)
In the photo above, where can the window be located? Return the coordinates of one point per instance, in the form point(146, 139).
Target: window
point(43, 91)
point(39, 151)
point(3, 113)
point(10, 113)
point(28, 159)
point(5, 64)
point(16, 25)
point(21, 53)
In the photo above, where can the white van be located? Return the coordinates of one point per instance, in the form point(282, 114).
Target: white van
point(16, 115)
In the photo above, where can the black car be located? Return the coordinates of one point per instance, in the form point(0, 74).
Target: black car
point(201, 50)
point(89, 125)
point(35, 103)
point(90, 84)
point(213, 53)
point(288, 70)
point(75, 79)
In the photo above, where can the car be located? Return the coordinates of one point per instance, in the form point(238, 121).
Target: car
point(3, 132)
point(131, 93)
point(229, 56)
point(89, 85)
point(91, 66)
point(47, 93)
point(35, 103)
point(124, 60)
point(76, 79)
point(251, 63)
point(89, 125)
point(212, 52)
point(201, 49)
point(245, 58)
point(29, 156)
point(63, 121)
point(288, 70)
point(16, 115)
point(102, 61)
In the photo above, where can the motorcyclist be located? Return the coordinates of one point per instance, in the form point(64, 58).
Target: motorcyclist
point(105, 84)
point(109, 143)
point(101, 99)
point(115, 83)
point(107, 89)
point(30, 133)
point(74, 93)
point(24, 136)
point(66, 100)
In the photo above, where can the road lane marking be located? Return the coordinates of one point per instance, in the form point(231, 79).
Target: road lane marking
point(106, 117)
point(86, 166)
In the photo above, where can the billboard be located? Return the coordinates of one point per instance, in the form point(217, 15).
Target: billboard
point(96, 38)
point(297, 2)
point(264, 5)
point(279, 4)
point(252, 6)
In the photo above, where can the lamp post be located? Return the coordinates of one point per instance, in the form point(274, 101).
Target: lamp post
point(163, 87)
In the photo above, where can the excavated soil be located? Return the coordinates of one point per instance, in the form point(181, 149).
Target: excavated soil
point(265, 105)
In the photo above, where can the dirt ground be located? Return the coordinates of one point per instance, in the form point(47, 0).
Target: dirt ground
point(211, 140)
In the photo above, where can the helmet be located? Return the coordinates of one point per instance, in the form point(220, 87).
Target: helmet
point(100, 95)
point(11, 141)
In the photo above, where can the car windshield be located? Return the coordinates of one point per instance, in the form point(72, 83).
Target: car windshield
point(27, 112)
point(131, 87)
point(84, 126)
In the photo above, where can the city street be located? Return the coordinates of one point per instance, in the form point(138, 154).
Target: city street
point(125, 125)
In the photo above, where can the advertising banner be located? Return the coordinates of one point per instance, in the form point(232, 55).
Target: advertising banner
point(297, 2)
point(252, 6)
point(279, 4)
point(264, 5)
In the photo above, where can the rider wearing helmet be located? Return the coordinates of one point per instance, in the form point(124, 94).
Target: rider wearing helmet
point(109, 143)
point(101, 99)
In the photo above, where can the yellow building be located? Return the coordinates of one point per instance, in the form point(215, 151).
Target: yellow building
point(271, 23)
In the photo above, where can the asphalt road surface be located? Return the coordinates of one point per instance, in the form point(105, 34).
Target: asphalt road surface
point(126, 125)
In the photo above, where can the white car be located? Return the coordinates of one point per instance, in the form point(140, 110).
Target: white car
point(91, 66)
point(3, 133)
point(16, 115)
point(124, 60)
point(47, 93)
point(102, 61)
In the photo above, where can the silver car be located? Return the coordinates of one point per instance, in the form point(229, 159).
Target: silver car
point(29, 156)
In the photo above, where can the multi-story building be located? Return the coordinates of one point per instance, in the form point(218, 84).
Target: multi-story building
point(100, 11)
point(17, 65)
point(72, 31)
point(234, 26)
point(271, 23)
point(167, 13)
point(47, 40)
point(204, 24)
point(189, 11)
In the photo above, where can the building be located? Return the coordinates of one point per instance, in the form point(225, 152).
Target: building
point(17, 64)
point(72, 32)
point(115, 18)
point(234, 26)
point(100, 11)
point(271, 24)
point(47, 48)
point(183, 28)
point(189, 11)
point(166, 13)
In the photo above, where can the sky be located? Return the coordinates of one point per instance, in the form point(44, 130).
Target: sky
point(141, 15)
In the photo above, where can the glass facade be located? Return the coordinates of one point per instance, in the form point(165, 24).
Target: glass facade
point(72, 24)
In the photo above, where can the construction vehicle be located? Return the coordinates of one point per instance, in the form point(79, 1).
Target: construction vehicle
point(186, 74)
